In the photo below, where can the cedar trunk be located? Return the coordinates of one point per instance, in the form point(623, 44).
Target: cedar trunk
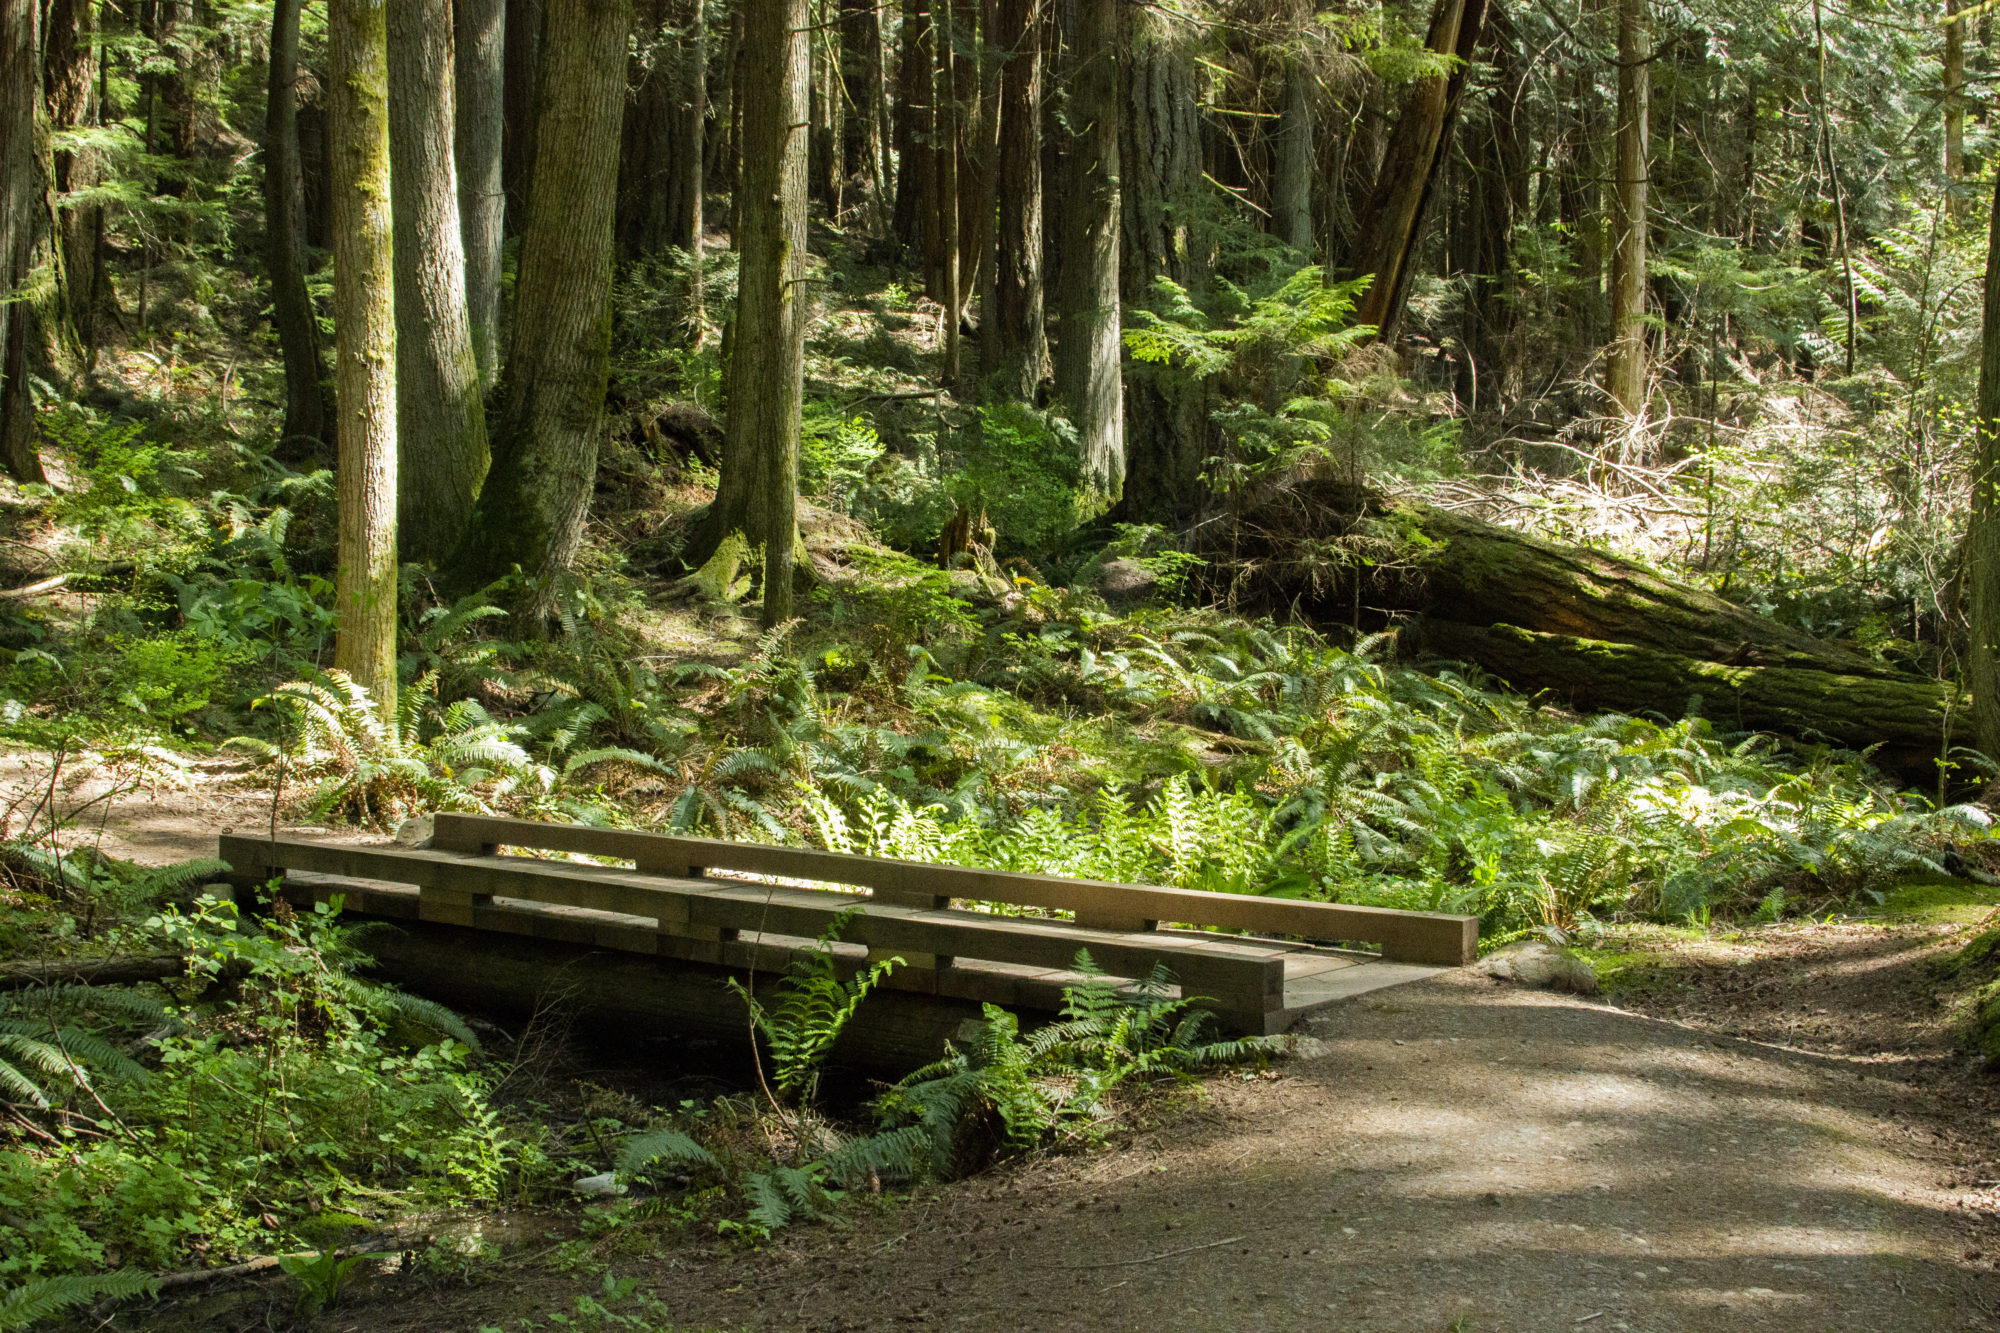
point(861, 127)
point(365, 340)
point(440, 410)
point(479, 33)
point(531, 513)
point(1087, 349)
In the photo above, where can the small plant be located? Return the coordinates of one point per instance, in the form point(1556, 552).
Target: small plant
point(322, 1277)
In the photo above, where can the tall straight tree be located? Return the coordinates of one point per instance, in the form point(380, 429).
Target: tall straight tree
point(70, 68)
point(758, 495)
point(22, 209)
point(1625, 359)
point(440, 409)
point(291, 308)
point(479, 111)
point(364, 307)
point(1087, 338)
point(915, 218)
point(1982, 535)
point(531, 513)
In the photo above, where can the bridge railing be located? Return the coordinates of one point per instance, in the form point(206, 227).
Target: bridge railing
point(1435, 938)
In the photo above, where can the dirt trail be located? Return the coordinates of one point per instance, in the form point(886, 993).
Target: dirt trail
point(1464, 1156)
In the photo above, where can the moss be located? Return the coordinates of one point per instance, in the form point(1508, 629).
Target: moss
point(1939, 899)
point(1628, 971)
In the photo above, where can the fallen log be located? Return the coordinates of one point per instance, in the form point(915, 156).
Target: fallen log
point(1597, 631)
point(113, 971)
point(1905, 717)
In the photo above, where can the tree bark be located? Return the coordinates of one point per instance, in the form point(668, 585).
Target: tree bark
point(756, 502)
point(1625, 358)
point(690, 111)
point(1982, 535)
point(291, 308)
point(1013, 337)
point(479, 39)
point(915, 217)
point(647, 149)
point(1496, 201)
point(861, 129)
point(440, 409)
point(1087, 348)
point(69, 73)
point(521, 56)
point(1419, 147)
point(531, 513)
point(364, 643)
point(950, 126)
point(1954, 95)
point(1292, 169)
point(23, 211)
point(1167, 435)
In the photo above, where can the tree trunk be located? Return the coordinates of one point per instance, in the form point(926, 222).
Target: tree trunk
point(1982, 535)
point(1167, 434)
point(690, 111)
point(647, 149)
point(861, 129)
point(23, 208)
point(950, 125)
point(531, 513)
point(69, 73)
point(1419, 147)
point(755, 504)
point(364, 643)
point(915, 219)
point(479, 38)
point(1625, 358)
point(1012, 335)
point(291, 308)
point(1954, 95)
point(440, 410)
point(825, 176)
point(1292, 169)
point(1087, 347)
point(1496, 201)
point(521, 57)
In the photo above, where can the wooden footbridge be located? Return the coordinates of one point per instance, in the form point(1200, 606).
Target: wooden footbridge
point(646, 929)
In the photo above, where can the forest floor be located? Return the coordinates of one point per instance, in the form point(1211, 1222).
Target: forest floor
point(1762, 1128)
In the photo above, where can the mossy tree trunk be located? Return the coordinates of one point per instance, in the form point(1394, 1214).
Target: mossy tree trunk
point(440, 407)
point(479, 40)
point(532, 510)
point(758, 495)
point(365, 345)
point(291, 308)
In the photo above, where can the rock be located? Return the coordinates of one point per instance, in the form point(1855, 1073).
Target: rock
point(1307, 1048)
point(599, 1185)
point(1124, 580)
point(415, 833)
point(1541, 965)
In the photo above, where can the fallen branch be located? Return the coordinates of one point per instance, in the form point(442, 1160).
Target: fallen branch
point(35, 589)
point(114, 971)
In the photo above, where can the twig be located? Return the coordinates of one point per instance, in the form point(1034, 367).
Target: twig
point(1153, 1258)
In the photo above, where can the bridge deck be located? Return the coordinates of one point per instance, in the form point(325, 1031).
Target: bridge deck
point(711, 914)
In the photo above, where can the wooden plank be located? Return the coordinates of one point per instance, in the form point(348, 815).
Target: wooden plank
point(1238, 976)
point(1444, 939)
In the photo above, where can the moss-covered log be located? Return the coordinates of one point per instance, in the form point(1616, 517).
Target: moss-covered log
point(1905, 716)
point(1595, 630)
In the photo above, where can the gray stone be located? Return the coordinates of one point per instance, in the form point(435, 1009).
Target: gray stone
point(1541, 965)
point(1123, 580)
point(415, 833)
